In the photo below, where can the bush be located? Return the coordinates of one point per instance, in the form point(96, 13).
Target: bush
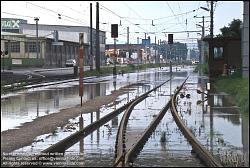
point(202, 67)
point(237, 87)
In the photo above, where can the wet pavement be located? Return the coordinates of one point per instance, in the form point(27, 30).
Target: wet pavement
point(217, 124)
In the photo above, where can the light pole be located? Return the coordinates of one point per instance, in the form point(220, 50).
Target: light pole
point(211, 53)
point(36, 19)
point(202, 61)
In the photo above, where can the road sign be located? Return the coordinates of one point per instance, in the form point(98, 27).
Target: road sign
point(114, 30)
point(170, 38)
point(146, 42)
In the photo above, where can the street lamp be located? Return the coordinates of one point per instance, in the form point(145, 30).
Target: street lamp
point(36, 19)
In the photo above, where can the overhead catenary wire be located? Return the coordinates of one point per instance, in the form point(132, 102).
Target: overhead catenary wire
point(121, 17)
point(57, 13)
point(140, 26)
point(18, 15)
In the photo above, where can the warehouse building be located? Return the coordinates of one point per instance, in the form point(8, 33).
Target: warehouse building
point(19, 39)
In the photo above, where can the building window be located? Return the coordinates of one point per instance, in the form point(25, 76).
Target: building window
point(218, 52)
point(14, 46)
point(31, 47)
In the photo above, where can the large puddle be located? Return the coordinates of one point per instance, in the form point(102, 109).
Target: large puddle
point(218, 124)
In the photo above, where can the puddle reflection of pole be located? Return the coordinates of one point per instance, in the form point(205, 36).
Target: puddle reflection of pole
point(245, 137)
point(37, 103)
point(115, 120)
point(137, 84)
point(170, 82)
point(128, 90)
point(81, 124)
point(210, 102)
point(91, 114)
point(202, 99)
point(98, 89)
point(98, 130)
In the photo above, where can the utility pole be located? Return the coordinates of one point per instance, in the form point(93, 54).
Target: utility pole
point(202, 42)
point(114, 69)
point(210, 59)
point(127, 35)
point(36, 19)
point(158, 58)
point(211, 55)
point(137, 40)
point(91, 39)
point(212, 19)
point(97, 39)
point(203, 28)
point(155, 50)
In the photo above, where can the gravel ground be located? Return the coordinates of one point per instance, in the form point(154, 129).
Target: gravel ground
point(24, 135)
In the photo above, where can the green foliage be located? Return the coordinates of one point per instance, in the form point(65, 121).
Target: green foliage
point(32, 62)
point(237, 87)
point(167, 51)
point(202, 67)
point(26, 62)
point(233, 29)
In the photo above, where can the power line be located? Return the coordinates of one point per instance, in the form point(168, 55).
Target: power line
point(132, 10)
point(76, 11)
point(172, 11)
point(57, 13)
point(177, 14)
point(121, 17)
point(18, 15)
point(194, 31)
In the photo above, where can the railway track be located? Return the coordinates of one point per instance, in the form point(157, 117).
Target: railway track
point(124, 155)
point(69, 141)
point(198, 148)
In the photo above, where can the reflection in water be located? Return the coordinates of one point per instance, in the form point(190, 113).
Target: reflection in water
point(91, 121)
point(27, 106)
point(98, 130)
point(210, 102)
point(37, 102)
point(56, 99)
point(218, 100)
point(245, 136)
point(221, 123)
point(81, 124)
point(115, 122)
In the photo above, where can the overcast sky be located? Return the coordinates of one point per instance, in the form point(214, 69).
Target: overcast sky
point(167, 16)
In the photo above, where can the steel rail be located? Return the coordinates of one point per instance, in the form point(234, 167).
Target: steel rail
point(123, 157)
point(120, 149)
point(137, 147)
point(69, 141)
point(202, 153)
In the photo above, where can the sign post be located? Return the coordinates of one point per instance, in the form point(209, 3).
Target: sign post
point(81, 65)
point(114, 34)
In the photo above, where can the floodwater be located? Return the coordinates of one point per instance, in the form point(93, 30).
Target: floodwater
point(218, 124)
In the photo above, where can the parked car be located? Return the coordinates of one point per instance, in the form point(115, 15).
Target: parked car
point(70, 63)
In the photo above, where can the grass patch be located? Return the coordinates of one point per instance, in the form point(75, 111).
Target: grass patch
point(202, 67)
point(237, 87)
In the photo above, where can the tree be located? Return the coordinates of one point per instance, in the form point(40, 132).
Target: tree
point(233, 29)
point(175, 51)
